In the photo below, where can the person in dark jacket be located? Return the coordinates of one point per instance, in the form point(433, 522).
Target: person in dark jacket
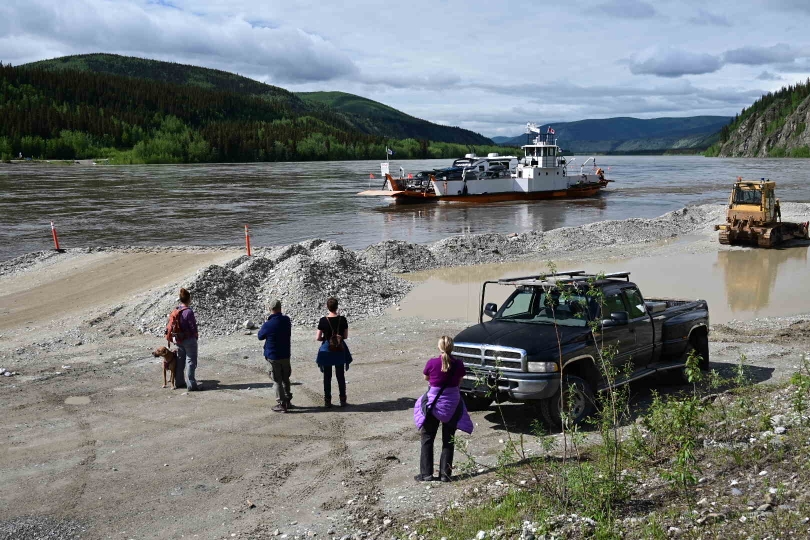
point(275, 333)
point(332, 331)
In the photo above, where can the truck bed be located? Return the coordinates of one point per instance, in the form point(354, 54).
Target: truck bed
point(658, 306)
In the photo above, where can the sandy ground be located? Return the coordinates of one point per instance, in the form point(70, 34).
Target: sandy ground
point(90, 437)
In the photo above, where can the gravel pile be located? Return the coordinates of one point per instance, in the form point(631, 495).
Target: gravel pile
point(39, 528)
point(466, 250)
point(302, 275)
point(304, 279)
point(399, 257)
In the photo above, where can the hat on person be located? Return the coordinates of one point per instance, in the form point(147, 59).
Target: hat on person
point(275, 304)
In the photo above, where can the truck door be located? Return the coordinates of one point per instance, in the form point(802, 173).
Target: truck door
point(619, 336)
point(640, 325)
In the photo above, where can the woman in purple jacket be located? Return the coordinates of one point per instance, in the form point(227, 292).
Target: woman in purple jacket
point(442, 403)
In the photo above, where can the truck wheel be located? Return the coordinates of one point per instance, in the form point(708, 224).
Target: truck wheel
point(698, 343)
point(576, 396)
point(476, 403)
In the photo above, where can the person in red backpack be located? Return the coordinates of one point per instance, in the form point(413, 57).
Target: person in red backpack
point(182, 331)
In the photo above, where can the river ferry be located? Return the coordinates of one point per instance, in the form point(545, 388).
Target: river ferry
point(542, 173)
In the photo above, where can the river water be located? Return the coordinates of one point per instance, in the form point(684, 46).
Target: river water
point(739, 284)
point(289, 202)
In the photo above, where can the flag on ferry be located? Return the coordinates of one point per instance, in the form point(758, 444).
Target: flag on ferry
point(551, 130)
point(389, 151)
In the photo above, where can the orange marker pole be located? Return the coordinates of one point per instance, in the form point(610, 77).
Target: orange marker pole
point(247, 239)
point(55, 237)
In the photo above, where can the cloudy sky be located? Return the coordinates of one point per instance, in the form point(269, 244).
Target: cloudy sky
point(484, 65)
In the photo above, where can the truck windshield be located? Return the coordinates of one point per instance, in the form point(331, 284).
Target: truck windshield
point(540, 307)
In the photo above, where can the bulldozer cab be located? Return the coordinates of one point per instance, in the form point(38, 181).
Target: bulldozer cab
point(753, 201)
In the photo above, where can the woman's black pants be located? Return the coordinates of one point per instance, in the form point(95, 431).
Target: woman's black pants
point(429, 430)
point(327, 381)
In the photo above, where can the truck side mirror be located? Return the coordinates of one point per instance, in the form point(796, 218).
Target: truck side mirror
point(618, 318)
point(490, 310)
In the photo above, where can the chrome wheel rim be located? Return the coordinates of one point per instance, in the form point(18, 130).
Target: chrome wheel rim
point(573, 403)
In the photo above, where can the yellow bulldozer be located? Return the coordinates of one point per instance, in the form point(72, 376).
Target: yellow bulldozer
point(755, 218)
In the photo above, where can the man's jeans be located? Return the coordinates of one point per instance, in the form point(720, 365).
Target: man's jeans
point(280, 371)
point(187, 356)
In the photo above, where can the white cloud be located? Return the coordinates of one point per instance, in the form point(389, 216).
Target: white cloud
point(627, 9)
point(674, 63)
point(476, 63)
point(759, 56)
point(768, 76)
point(705, 18)
point(283, 55)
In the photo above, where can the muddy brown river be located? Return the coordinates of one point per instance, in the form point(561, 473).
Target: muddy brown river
point(179, 205)
point(739, 284)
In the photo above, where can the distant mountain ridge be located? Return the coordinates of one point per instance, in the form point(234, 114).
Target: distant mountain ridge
point(376, 118)
point(632, 135)
point(355, 112)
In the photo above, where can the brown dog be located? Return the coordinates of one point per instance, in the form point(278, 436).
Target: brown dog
point(169, 363)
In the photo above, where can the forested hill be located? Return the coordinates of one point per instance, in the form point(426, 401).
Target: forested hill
point(633, 135)
point(170, 72)
point(363, 115)
point(774, 126)
point(73, 114)
point(376, 118)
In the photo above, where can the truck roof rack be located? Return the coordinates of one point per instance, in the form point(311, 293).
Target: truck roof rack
point(570, 274)
point(573, 275)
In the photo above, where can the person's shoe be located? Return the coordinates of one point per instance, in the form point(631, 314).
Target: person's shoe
point(327, 403)
point(343, 401)
point(444, 478)
point(281, 408)
point(424, 478)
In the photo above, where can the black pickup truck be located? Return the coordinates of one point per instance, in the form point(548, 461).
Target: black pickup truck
point(547, 324)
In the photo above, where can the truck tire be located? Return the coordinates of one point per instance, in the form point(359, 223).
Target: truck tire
point(476, 403)
point(582, 402)
point(699, 343)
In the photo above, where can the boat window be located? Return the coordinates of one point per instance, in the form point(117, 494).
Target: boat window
point(481, 168)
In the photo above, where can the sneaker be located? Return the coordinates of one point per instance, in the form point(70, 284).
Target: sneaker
point(424, 478)
point(281, 407)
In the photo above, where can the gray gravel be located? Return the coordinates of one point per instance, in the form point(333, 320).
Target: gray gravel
point(39, 528)
point(302, 275)
point(494, 248)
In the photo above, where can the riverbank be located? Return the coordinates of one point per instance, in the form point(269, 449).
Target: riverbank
point(81, 325)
